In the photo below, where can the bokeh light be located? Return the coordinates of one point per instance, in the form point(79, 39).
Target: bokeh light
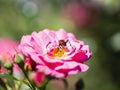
point(115, 41)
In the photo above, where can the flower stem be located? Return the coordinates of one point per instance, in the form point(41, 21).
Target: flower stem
point(32, 86)
point(43, 88)
point(21, 64)
point(44, 84)
point(65, 83)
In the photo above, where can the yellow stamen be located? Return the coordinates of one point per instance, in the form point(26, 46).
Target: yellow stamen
point(59, 52)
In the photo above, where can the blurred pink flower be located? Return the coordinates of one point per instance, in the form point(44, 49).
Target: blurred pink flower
point(80, 14)
point(8, 49)
point(38, 77)
point(56, 53)
point(16, 69)
point(2, 70)
point(17, 72)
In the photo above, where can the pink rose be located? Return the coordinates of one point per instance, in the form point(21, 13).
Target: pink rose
point(8, 49)
point(57, 53)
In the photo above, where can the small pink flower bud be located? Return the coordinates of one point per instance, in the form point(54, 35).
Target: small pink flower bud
point(38, 77)
point(17, 72)
point(2, 70)
point(29, 64)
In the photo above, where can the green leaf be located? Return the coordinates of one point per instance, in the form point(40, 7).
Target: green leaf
point(7, 76)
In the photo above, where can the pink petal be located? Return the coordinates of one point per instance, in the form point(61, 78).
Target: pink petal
point(80, 56)
point(61, 34)
point(72, 65)
point(71, 37)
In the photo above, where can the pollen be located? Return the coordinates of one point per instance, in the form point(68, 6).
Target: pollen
point(59, 51)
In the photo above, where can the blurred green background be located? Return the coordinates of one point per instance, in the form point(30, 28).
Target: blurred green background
point(97, 22)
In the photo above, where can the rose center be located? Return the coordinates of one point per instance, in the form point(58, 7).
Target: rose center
point(58, 51)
